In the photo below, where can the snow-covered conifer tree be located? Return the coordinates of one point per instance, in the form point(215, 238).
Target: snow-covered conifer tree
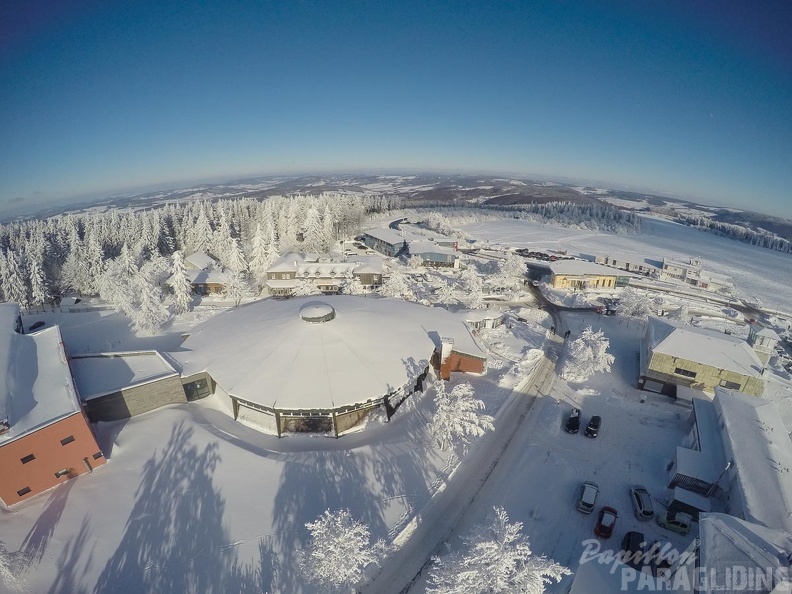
point(306, 287)
point(495, 558)
point(237, 286)
point(39, 291)
point(634, 304)
point(415, 261)
point(258, 258)
point(313, 232)
point(682, 314)
point(13, 281)
point(458, 417)
point(398, 286)
point(338, 551)
point(445, 294)
point(587, 355)
point(180, 284)
point(151, 312)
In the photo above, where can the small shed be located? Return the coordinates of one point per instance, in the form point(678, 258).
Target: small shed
point(484, 318)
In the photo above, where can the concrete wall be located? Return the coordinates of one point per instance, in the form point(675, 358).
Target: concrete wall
point(136, 400)
point(50, 457)
point(662, 366)
point(347, 420)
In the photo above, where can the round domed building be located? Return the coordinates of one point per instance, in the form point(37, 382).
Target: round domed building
point(322, 364)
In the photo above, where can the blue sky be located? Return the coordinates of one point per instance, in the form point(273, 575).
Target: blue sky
point(683, 98)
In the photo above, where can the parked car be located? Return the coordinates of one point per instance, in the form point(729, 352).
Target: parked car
point(675, 522)
point(37, 325)
point(632, 548)
point(593, 427)
point(641, 502)
point(70, 301)
point(606, 521)
point(573, 421)
point(588, 497)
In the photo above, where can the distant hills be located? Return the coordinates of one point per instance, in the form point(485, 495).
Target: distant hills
point(458, 190)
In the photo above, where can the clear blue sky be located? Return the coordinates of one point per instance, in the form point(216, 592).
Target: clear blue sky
point(687, 98)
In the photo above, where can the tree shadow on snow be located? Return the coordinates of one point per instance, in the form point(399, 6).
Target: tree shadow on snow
point(174, 539)
point(37, 539)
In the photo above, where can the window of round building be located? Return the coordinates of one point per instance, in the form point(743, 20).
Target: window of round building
point(317, 313)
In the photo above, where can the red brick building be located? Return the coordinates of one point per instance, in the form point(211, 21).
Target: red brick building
point(45, 438)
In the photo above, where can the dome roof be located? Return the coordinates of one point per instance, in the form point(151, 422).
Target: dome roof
point(266, 353)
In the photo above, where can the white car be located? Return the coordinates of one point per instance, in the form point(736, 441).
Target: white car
point(588, 497)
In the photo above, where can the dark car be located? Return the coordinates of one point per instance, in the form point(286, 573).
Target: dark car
point(573, 421)
point(606, 521)
point(632, 549)
point(37, 325)
point(593, 427)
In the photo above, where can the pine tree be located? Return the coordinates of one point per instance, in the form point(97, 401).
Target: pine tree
point(236, 286)
point(587, 355)
point(151, 314)
point(39, 291)
point(338, 551)
point(313, 232)
point(259, 263)
point(13, 281)
point(495, 558)
point(458, 417)
point(180, 284)
point(398, 287)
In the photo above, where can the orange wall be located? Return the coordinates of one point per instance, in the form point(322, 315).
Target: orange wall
point(460, 362)
point(51, 456)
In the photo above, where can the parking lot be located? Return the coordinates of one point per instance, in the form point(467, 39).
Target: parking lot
point(540, 484)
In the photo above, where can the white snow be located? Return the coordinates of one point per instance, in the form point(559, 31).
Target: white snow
point(371, 348)
point(104, 373)
point(37, 389)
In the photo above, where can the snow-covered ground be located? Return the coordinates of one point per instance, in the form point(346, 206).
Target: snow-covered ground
point(756, 271)
point(192, 501)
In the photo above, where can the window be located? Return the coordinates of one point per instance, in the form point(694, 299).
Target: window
point(684, 372)
point(97, 455)
point(28, 458)
point(196, 389)
point(729, 385)
point(62, 472)
point(24, 491)
point(67, 440)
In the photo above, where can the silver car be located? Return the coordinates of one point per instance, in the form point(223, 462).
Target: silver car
point(641, 502)
point(588, 497)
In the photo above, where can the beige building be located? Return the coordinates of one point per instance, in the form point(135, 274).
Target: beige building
point(763, 340)
point(580, 275)
point(328, 274)
point(673, 354)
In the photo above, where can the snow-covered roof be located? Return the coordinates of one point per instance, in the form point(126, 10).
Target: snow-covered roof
point(199, 260)
point(36, 388)
point(760, 330)
point(701, 345)
point(479, 315)
point(265, 353)
point(201, 277)
point(325, 267)
point(727, 542)
point(581, 267)
point(429, 247)
point(99, 374)
point(762, 454)
point(289, 262)
point(390, 236)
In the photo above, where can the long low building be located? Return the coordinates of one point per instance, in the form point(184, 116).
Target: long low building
point(124, 384)
point(323, 364)
point(581, 275)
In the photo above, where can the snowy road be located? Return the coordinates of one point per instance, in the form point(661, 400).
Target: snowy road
point(436, 522)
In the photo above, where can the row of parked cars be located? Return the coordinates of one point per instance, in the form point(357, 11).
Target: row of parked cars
point(573, 424)
point(642, 506)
